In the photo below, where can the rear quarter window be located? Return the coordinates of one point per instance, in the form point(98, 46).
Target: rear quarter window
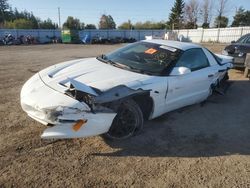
point(213, 59)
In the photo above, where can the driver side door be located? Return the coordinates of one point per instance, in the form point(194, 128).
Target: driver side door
point(192, 87)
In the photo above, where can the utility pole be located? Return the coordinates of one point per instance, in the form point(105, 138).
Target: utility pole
point(59, 17)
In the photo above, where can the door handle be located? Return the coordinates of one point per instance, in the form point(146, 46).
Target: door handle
point(210, 75)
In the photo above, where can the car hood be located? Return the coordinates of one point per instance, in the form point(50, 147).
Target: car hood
point(91, 73)
point(245, 48)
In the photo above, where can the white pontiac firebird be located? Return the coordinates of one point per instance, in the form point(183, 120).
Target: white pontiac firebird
point(113, 94)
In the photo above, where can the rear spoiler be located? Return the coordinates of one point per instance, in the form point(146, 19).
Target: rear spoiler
point(225, 59)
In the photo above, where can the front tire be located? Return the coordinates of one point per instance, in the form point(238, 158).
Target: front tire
point(128, 121)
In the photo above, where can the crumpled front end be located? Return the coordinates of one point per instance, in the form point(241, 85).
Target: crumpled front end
point(68, 117)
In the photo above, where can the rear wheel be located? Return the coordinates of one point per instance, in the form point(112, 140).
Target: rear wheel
point(128, 121)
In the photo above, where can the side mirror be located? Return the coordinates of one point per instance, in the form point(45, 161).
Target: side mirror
point(177, 71)
point(232, 41)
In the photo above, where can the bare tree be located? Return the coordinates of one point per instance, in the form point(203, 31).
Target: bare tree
point(222, 7)
point(206, 12)
point(221, 10)
point(191, 13)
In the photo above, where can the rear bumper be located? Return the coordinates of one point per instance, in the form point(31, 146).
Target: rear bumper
point(48, 106)
point(239, 62)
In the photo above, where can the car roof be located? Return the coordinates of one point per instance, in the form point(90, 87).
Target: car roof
point(175, 44)
point(246, 35)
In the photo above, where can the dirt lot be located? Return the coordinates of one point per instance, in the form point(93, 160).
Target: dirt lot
point(204, 145)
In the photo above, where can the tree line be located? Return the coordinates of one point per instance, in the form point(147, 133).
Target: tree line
point(182, 16)
point(188, 15)
point(13, 19)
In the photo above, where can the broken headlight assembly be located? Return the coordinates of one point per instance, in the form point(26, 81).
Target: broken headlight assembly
point(52, 114)
point(80, 96)
point(60, 114)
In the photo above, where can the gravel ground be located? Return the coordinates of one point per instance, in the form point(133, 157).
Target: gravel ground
point(203, 145)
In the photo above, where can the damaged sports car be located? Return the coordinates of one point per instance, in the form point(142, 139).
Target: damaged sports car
point(115, 93)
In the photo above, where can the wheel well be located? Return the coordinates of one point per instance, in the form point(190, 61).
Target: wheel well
point(145, 103)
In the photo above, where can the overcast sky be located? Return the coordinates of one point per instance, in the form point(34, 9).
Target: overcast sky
point(121, 10)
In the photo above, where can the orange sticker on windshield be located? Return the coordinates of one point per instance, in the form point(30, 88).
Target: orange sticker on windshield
point(150, 51)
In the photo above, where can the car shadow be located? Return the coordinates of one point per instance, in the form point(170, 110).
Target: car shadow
point(218, 127)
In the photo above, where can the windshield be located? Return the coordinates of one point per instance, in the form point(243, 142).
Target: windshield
point(144, 57)
point(243, 39)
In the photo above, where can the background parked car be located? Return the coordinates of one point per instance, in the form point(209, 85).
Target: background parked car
point(239, 50)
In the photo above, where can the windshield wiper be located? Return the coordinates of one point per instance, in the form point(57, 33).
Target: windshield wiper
point(104, 59)
point(142, 71)
point(132, 68)
point(119, 65)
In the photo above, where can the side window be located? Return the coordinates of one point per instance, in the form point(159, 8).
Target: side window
point(194, 59)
